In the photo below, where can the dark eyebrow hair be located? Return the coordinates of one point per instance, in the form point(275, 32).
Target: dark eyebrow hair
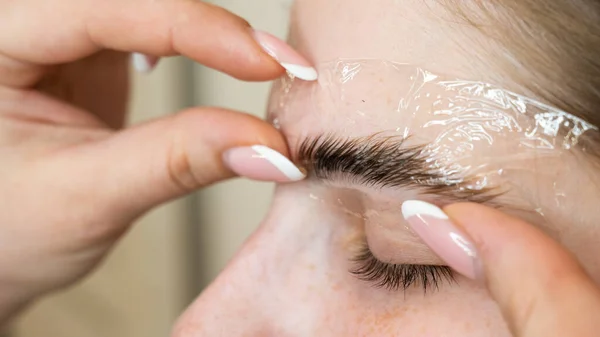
point(385, 162)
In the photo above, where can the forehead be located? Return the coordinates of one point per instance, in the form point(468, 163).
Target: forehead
point(356, 98)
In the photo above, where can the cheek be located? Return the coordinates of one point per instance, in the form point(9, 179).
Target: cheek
point(449, 312)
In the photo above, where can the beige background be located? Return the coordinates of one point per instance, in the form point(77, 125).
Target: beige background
point(170, 254)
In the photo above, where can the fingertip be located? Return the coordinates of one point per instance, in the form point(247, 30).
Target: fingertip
point(508, 245)
point(169, 157)
point(260, 162)
point(530, 275)
point(287, 57)
point(247, 145)
point(491, 230)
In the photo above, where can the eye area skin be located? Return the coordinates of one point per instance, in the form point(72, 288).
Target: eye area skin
point(378, 164)
point(375, 164)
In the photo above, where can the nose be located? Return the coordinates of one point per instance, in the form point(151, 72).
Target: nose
point(273, 285)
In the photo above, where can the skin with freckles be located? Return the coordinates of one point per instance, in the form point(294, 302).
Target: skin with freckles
point(292, 277)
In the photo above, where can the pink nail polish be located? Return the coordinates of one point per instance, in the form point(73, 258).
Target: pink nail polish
point(259, 162)
point(293, 62)
point(437, 231)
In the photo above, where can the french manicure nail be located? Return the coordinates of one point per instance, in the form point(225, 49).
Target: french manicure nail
point(143, 63)
point(437, 231)
point(293, 62)
point(259, 162)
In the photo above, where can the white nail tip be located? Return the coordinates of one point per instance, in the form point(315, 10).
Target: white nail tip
point(278, 160)
point(416, 207)
point(302, 72)
point(141, 63)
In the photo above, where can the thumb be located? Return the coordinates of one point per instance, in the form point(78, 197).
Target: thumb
point(143, 166)
point(540, 288)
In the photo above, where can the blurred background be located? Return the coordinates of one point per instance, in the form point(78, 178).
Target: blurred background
point(172, 253)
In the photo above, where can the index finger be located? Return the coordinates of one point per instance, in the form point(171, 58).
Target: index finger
point(539, 286)
point(50, 32)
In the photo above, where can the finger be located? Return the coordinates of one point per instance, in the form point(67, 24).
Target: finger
point(206, 33)
point(540, 287)
point(141, 167)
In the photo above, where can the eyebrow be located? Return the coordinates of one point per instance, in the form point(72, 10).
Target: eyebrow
point(386, 162)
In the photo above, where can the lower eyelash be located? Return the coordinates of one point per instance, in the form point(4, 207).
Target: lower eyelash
point(399, 276)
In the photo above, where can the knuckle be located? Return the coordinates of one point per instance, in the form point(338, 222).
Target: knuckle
point(194, 153)
point(179, 167)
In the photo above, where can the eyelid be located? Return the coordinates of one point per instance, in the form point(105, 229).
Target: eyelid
point(390, 241)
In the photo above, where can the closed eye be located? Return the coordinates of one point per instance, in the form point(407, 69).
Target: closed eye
point(399, 276)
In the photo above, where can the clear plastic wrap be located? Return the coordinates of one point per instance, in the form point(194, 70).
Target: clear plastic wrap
point(472, 135)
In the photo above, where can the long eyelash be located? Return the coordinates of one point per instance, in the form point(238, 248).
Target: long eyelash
point(399, 276)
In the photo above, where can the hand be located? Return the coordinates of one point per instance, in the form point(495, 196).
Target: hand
point(71, 182)
point(540, 288)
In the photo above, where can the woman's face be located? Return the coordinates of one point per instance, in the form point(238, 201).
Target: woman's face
point(388, 122)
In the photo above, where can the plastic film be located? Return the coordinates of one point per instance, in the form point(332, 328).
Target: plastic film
point(473, 135)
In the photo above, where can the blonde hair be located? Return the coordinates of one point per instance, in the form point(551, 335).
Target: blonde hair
point(550, 47)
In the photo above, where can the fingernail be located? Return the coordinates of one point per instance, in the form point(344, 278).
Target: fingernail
point(293, 62)
point(259, 162)
point(143, 63)
point(437, 231)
